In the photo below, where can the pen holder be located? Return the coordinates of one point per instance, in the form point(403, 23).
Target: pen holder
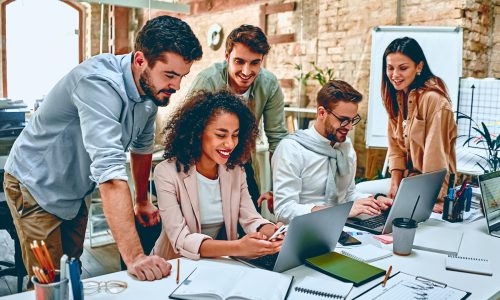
point(453, 210)
point(58, 290)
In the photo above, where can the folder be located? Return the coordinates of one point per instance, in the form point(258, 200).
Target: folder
point(345, 268)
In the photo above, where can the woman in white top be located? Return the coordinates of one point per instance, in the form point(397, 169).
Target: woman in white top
point(201, 186)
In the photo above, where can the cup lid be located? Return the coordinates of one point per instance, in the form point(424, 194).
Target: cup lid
point(404, 223)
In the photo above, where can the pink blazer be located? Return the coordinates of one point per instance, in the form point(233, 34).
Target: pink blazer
point(180, 214)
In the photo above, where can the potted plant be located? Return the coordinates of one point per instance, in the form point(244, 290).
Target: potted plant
point(322, 75)
point(302, 79)
point(490, 143)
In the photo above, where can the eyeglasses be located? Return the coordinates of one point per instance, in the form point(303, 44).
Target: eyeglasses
point(111, 287)
point(345, 121)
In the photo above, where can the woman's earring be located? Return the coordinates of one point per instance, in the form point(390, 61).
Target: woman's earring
point(418, 73)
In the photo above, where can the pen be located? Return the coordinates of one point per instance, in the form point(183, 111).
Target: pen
point(76, 283)
point(462, 188)
point(451, 186)
point(178, 271)
point(387, 275)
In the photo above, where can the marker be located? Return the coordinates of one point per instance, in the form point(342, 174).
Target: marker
point(64, 260)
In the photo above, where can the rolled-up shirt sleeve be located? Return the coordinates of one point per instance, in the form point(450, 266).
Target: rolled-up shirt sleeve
point(144, 143)
point(99, 106)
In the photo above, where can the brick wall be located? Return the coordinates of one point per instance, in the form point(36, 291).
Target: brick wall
point(331, 33)
point(494, 55)
point(337, 34)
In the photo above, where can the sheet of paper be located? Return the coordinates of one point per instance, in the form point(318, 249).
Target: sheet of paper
point(405, 286)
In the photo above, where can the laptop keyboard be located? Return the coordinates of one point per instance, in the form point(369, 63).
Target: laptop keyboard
point(373, 222)
point(267, 261)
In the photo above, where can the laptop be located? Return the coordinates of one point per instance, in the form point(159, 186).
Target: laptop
point(490, 193)
point(308, 235)
point(416, 194)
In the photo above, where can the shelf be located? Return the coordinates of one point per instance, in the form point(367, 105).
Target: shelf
point(301, 109)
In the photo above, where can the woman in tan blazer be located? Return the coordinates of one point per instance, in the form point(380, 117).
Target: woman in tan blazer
point(422, 129)
point(201, 186)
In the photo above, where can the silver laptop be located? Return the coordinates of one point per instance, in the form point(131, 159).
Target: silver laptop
point(416, 194)
point(490, 193)
point(308, 235)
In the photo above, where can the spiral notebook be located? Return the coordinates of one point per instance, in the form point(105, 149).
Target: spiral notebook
point(312, 288)
point(367, 253)
point(473, 265)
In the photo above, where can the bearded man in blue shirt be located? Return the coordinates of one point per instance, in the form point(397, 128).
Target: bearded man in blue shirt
point(78, 139)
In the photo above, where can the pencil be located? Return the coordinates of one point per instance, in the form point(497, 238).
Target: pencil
point(387, 275)
point(178, 271)
point(51, 270)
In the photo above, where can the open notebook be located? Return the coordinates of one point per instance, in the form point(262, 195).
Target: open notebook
point(233, 282)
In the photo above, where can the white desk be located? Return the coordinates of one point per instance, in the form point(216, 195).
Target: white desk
point(475, 242)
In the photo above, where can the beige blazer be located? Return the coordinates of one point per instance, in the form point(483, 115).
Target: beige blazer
point(429, 137)
point(180, 214)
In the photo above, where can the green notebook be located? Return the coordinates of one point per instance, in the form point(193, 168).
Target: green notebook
point(345, 268)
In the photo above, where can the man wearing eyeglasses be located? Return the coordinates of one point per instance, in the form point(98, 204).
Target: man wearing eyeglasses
point(315, 168)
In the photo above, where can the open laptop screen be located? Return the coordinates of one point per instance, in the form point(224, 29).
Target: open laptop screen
point(490, 191)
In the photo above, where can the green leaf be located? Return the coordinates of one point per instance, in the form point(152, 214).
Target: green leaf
point(487, 135)
point(468, 140)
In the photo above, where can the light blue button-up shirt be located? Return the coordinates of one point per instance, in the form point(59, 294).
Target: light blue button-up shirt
point(79, 135)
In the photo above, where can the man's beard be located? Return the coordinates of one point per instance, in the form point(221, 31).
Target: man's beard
point(147, 87)
point(332, 135)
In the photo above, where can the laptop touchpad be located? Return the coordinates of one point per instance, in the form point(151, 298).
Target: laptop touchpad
point(362, 217)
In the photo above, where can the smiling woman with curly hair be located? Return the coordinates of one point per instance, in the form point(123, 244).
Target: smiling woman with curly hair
point(183, 135)
point(201, 186)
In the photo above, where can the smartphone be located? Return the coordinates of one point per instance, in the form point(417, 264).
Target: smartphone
point(347, 240)
point(280, 230)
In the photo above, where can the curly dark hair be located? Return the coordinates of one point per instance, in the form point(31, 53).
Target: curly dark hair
point(167, 34)
point(183, 134)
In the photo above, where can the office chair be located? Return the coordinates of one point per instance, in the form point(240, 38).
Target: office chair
point(8, 268)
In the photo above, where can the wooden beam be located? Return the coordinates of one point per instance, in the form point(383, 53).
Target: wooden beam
point(262, 18)
point(281, 38)
point(4, 46)
point(278, 8)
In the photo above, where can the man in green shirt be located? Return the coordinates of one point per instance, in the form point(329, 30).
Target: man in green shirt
point(241, 73)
